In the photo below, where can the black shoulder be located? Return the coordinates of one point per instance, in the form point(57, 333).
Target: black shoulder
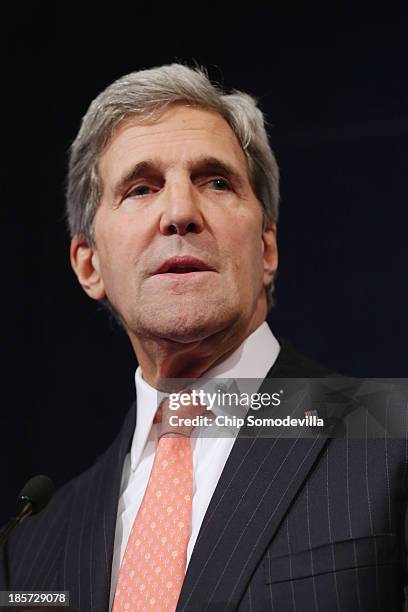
point(291, 363)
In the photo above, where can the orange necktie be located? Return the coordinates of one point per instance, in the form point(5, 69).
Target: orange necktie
point(153, 567)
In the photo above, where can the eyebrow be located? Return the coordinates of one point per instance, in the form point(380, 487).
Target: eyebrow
point(206, 165)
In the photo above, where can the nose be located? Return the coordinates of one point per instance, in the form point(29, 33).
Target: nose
point(181, 210)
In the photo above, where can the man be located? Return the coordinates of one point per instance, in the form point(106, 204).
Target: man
point(172, 206)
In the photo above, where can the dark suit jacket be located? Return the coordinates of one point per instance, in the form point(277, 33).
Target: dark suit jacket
point(305, 524)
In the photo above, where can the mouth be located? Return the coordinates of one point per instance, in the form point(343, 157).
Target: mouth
point(181, 270)
point(183, 265)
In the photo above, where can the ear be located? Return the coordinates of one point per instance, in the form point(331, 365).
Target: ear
point(270, 252)
point(85, 263)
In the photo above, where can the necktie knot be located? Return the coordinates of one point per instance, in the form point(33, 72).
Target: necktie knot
point(181, 420)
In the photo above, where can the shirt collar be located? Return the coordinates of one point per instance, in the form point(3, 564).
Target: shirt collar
point(252, 359)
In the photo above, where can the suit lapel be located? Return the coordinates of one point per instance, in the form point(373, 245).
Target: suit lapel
point(257, 486)
point(91, 532)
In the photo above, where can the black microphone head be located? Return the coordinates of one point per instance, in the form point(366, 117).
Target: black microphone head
point(38, 490)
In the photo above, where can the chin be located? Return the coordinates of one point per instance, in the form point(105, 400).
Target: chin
point(182, 322)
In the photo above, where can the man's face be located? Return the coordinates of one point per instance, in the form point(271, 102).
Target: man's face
point(179, 188)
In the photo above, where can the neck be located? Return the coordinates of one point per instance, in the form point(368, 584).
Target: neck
point(162, 359)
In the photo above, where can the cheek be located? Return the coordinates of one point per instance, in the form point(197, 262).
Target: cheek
point(123, 241)
point(113, 258)
point(111, 239)
point(244, 261)
point(245, 247)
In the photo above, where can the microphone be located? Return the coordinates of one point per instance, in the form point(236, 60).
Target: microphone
point(33, 497)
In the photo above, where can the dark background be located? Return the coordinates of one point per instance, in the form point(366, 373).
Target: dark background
point(334, 88)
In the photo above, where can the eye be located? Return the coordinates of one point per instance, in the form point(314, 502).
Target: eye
point(220, 184)
point(139, 190)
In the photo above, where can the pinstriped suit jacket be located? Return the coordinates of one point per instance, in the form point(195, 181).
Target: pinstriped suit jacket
point(296, 525)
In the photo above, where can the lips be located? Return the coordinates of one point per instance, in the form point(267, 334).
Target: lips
point(183, 264)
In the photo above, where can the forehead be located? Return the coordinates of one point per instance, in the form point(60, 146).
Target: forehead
point(179, 136)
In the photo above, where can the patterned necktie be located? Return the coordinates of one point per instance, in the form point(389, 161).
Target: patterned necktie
point(153, 567)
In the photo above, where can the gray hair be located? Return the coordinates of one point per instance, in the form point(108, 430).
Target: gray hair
point(146, 95)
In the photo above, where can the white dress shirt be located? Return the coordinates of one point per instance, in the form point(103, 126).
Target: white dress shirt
point(252, 359)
